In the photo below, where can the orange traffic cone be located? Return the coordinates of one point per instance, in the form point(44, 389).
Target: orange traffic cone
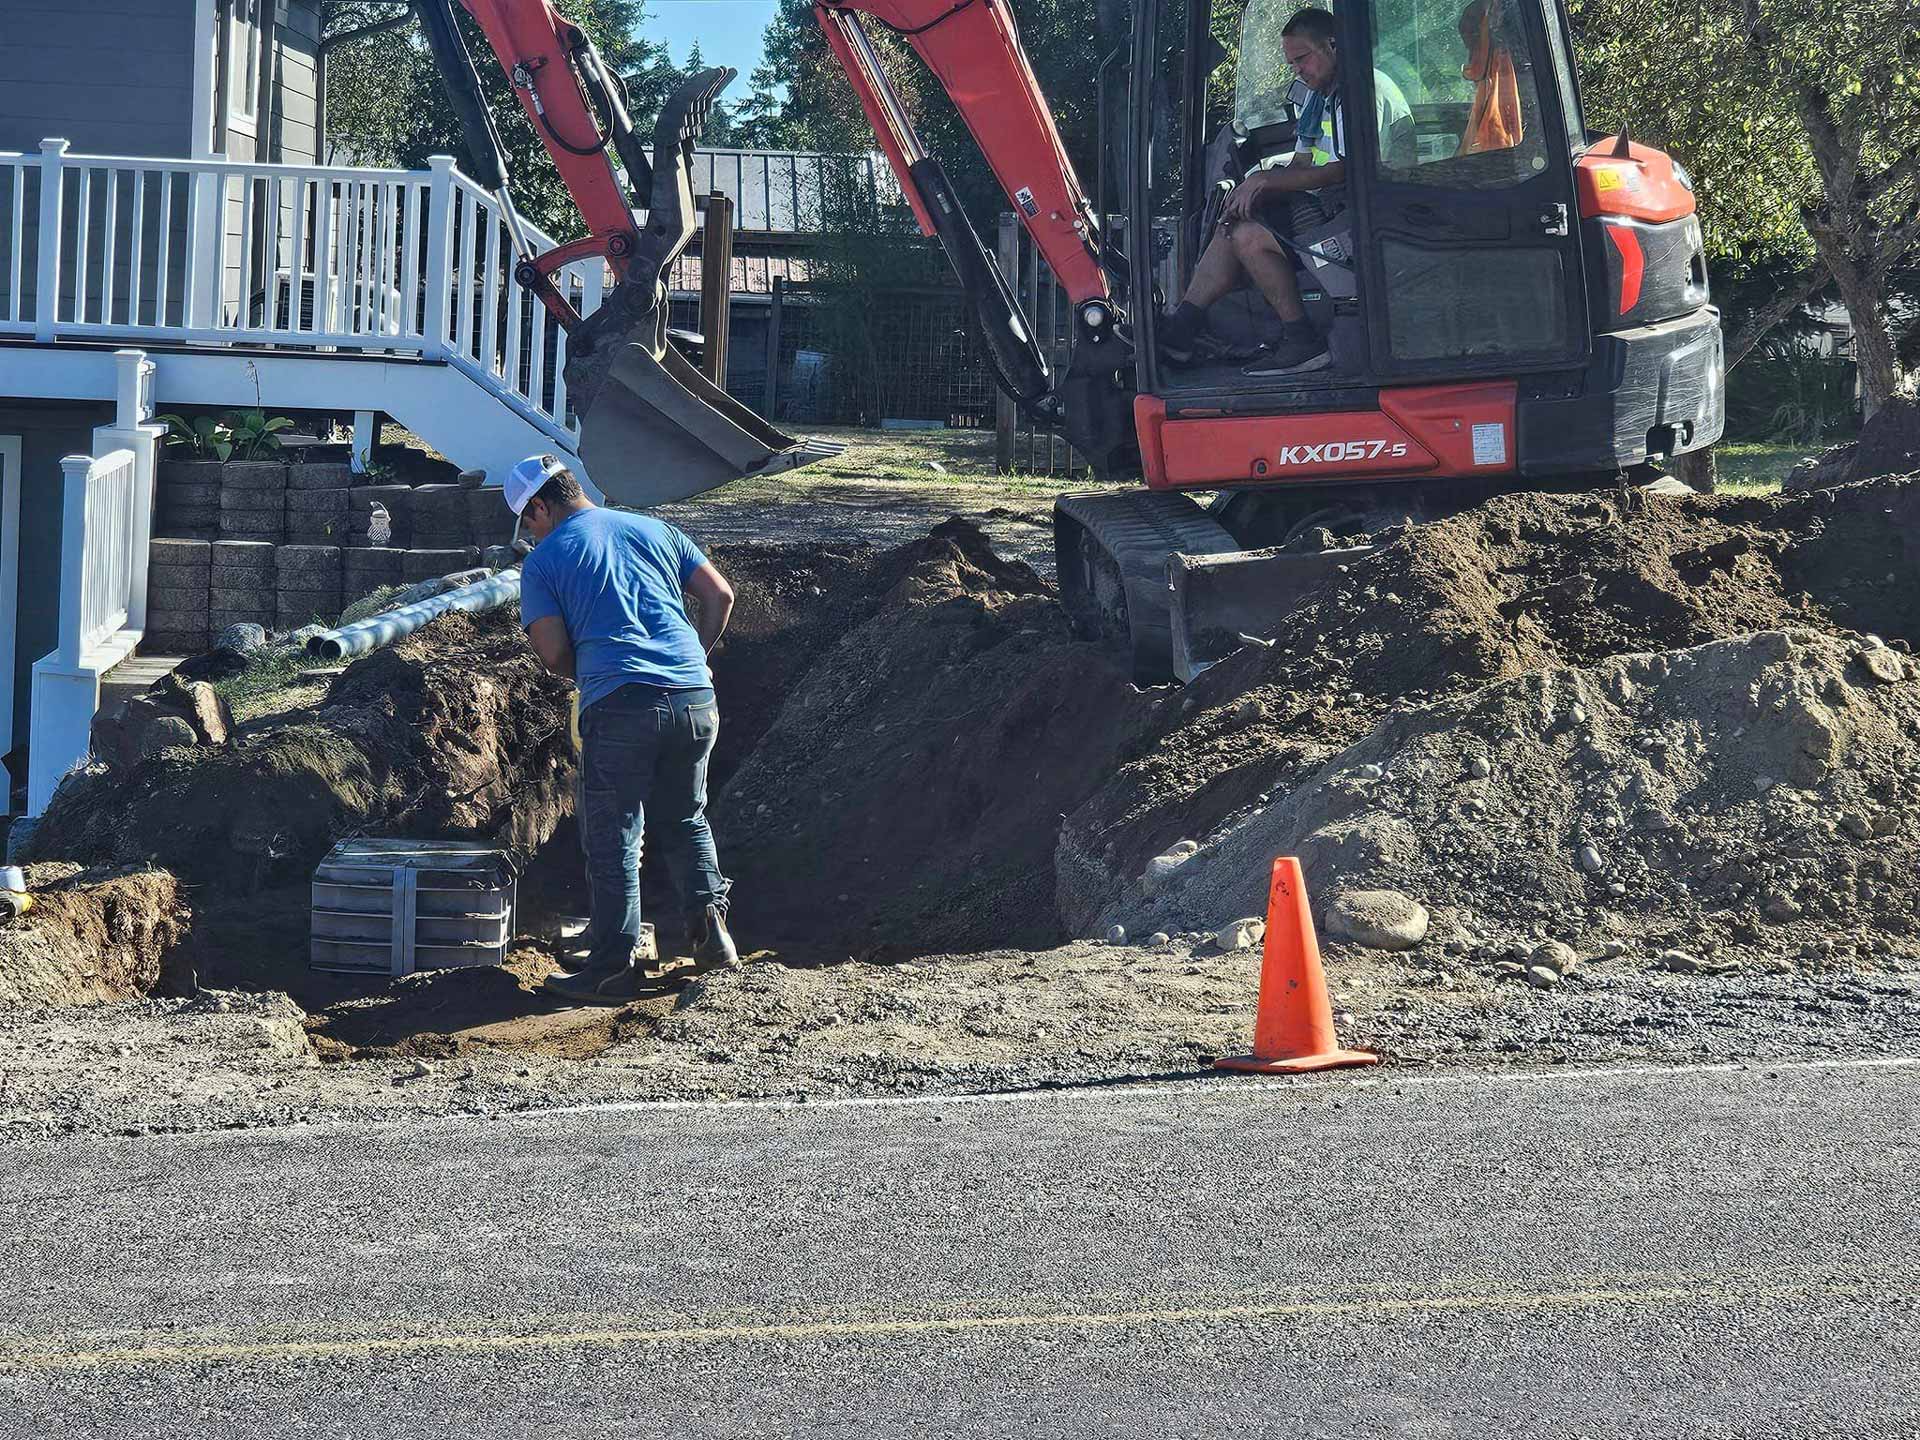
point(1293, 1028)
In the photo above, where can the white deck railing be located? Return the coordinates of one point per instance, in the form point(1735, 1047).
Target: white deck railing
point(224, 253)
point(96, 595)
point(105, 524)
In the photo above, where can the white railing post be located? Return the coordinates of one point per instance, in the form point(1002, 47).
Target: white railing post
point(46, 299)
point(77, 470)
point(133, 395)
point(131, 431)
point(439, 254)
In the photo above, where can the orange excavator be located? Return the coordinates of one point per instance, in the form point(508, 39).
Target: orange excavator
point(1507, 301)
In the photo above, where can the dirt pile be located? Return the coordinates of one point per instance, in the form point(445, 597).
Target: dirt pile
point(1551, 589)
point(908, 795)
point(1754, 793)
point(455, 731)
point(92, 936)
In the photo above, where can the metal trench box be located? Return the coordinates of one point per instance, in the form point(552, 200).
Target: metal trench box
point(392, 907)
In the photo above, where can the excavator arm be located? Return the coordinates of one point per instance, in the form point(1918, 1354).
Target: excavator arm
point(652, 427)
point(973, 49)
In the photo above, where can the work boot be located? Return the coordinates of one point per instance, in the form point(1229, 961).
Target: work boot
point(1298, 350)
point(596, 986)
point(712, 945)
point(1180, 333)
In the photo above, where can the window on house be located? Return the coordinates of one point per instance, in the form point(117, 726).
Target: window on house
point(243, 60)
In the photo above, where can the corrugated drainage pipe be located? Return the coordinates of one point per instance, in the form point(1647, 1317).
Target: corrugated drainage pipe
point(379, 631)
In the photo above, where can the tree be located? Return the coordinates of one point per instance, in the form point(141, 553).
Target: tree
point(1801, 124)
point(386, 104)
point(721, 132)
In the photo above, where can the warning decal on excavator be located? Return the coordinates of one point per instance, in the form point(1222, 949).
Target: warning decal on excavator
point(1490, 444)
point(1023, 197)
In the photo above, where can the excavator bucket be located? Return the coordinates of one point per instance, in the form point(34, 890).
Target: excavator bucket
point(1217, 603)
point(653, 428)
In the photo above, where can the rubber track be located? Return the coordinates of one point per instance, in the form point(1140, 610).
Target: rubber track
point(1138, 529)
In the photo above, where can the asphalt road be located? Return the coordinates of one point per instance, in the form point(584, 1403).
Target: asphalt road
point(1694, 1254)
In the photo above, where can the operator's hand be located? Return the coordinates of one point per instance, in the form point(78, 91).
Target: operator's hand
point(1245, 196)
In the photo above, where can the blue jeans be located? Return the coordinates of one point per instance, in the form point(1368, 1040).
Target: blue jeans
point(642, 746)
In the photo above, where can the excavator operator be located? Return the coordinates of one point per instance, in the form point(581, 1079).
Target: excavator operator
point(1247, 244)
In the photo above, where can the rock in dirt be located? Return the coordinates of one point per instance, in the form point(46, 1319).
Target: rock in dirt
point(1554, 955)
point(1241, 934)
point(241, 639)
point(164, 732)
point(197, 714)
point(1377, 919)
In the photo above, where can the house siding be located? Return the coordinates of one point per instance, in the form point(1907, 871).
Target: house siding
point(48, 431)
point(132, 96)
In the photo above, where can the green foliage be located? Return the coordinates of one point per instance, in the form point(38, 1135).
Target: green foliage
point(1793, 396)
point(253, 436)
point(386, 104)
point(203, 437)
point(868, 252)
point(237, 435)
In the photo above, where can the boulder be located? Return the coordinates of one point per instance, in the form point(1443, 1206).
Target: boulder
point(1377, 919)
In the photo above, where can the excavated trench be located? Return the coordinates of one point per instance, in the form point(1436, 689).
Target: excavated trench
point(919, 758)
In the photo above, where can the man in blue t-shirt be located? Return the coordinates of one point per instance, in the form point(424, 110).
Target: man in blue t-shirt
point(601, 597)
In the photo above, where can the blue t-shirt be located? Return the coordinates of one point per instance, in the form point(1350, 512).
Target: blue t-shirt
point(615, 580)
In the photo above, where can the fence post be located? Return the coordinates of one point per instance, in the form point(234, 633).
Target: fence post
point(716, 286)
point(46, 299)
point(1005, 415)
point(772, 403)
point(439, 255)
point(73, 555)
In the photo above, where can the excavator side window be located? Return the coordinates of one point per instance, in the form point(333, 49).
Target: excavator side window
point(1465, 69)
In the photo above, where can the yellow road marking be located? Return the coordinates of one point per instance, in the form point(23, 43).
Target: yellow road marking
point(52, 1357)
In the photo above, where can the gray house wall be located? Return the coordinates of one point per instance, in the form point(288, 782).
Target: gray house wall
point(48, 431)
point(114, 77)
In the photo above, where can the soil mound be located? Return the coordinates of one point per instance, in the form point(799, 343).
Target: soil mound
point(1523, 583)
point(455, 731)
point(92, 936)
point(1754, 793)
point(908, 796)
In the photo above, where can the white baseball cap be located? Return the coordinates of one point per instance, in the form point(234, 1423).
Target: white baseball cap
point(525, 479)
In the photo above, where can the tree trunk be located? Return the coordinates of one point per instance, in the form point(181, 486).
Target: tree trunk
point(1843, 237)
point(1696, 470)
point(1873, 349)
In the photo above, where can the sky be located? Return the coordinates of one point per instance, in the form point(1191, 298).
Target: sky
point(729, 32)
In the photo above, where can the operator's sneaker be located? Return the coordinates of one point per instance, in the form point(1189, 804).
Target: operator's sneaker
point(596, 987)
point(1296, 352)
point(712, 946)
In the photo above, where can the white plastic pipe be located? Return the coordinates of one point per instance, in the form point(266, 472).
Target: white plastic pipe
point(379, 631)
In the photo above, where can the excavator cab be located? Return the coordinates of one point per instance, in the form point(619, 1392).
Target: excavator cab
point(1505, 304)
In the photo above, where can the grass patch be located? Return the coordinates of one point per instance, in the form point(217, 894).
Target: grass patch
point(1756, 469)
